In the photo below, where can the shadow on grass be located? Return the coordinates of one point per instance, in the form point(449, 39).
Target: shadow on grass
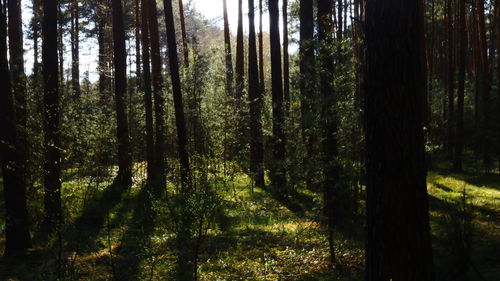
point(133, 247)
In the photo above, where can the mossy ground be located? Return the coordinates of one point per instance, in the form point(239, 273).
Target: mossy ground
point(109, 235)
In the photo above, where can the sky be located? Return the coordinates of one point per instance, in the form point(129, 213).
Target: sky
point(210, 9)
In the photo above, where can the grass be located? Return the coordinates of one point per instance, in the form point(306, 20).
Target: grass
point(256, 237)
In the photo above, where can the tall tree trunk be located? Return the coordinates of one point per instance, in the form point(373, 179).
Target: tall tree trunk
point(307, 81)
point(52, 136)
point(75, 48)
point(286, 57)
point(278, 172)
point(227, 49)
point(16, 56)
point(159, 101)
point(124, 176)
point(261, 51)
point(484, 83)
point(102, 60)
point(36, 36)
point(450, 77)
point(255, 100)
point(399, 244)
point(138, 16)
point(497, 6)
point(186, 260)
point(329, 119)
point(461, 87)
point(148, 102)
point(17, 237)
point(183, 34)
point(240, 60)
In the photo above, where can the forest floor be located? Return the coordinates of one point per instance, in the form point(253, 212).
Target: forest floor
point(109, 235)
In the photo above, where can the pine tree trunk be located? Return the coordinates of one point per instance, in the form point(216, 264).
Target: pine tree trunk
point(17, 237)
point(138, 63)
point(183, 34)
point(240, 58)
point(261, 52)
point(52, 136)
point(255, 100)
point(148, 102)
point(457, 165)
point(286, 57)
point(399, 244)
point(75, 48)
point(159, 101)
point(329, 118)
point(124, 177)
point(278, 172)
point(228, 52)
point(450, 77)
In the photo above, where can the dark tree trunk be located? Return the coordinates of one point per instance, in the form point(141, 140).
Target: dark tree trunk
point(148, 102)
point(240, 60)
point(399, 243)
point(278, 172)
point(450, 77)
point(484, 76)
point(75, 48)
point(36, 36)
point(102, 64)
point(183, 34)
point(227, 48)
point(255, 100)
point(186, 260)
point(457, 165)
point(138, 15)
point(497, 6)
point(17, 237)
point(307, 73)
point(52, 136)
point(18, 82)
point(286, 57)
point(329, 118)
point(157, 94)
point(124, 176)
point(261, 51)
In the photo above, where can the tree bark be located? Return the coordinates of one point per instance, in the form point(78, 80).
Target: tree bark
point(183, 34)
point(148, 102)
point(329, 118)
point(278, 172)
point(255, 100)
point(457, 165)
point(228, 52)
point(286, 57)
point(240, 59)
point(75, 48)
point(52, 136)
point(450, 77)
point(261, 51)
point(124, 177)
point(159, 101)
point(186, 260)
point(399, 243)
point(17, 237)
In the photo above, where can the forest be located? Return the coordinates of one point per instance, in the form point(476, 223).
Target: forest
point(303, 140)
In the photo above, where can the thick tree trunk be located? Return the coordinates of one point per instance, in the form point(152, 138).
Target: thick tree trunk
point(228, 52)
point(124, 176)
point(457, 165)
point(159, 101)
point(399, 244)
point(255, 100)
point(17, 237)
point(278, 172)
point(18, 82)
point(186, 259)
point(52, 136)
point(148, 102)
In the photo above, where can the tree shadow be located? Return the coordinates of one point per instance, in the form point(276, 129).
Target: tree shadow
point(133, 247)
